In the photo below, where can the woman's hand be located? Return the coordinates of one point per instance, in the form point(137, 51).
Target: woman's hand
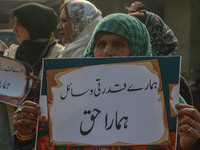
point(36, 84)
point(3, 46)
point(188, 125)
point(25, 117)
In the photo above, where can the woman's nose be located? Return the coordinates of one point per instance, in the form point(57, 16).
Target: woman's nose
point(108, 51)
point(14, 28)
point(58, 26)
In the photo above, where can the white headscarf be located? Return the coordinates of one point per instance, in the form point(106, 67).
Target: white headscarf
point(80, 13)
point(84, 17)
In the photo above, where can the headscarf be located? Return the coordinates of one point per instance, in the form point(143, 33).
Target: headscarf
point(162, 38)
point(127, 27)
point(80, 13)
point(40, 21)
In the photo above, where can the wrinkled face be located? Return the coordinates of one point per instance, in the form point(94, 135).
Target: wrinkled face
point(21, 32)
point(111, 45)
point(64, 26)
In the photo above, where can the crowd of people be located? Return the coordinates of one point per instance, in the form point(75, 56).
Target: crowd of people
point(85, 33)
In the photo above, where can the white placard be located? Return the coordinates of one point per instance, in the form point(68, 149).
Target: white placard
point(115, 102)
point(14, 82)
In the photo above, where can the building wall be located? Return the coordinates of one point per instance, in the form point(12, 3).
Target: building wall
point(5, 10)
point(177, 14)
point(109, 6)
point(195, 36)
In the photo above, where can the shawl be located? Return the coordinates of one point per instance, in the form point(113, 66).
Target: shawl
point(32, 52)
point(80, 13)
point(77, 47)
point(162, 38)
point(40, 28)
point(127, 27)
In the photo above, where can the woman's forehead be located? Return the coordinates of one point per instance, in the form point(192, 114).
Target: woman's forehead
point(112, 36)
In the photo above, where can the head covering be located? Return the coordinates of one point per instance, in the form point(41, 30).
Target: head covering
point(162, 38)
point(80, 13)
point(39, 20)
point(136, 6)
point(127, 27)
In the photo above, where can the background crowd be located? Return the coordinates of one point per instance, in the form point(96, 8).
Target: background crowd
point(85, 33)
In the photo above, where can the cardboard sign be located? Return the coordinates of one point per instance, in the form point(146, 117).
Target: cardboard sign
point(109, 101)
point(14, 81)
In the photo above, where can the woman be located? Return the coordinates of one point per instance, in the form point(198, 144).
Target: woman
point(123, 35)
point(77, 22)
point(131, 29)
point(101, 45)
point(163, 43)
point(162, 38)
point(34, 24)
point(34, 34)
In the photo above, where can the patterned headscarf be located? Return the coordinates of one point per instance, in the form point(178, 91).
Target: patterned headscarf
point(162, 38)
point(127, 27)
point(80, 13)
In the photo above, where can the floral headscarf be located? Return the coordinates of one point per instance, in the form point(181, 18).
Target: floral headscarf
point(80, 13)
point(162, 38)
point(127, 27)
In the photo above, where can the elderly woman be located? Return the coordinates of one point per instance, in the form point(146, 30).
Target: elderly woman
point(127, 30)
point(123, 35)
point(77, 22)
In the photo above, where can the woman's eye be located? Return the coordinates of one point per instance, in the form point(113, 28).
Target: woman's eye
point(101, 44)
point(19, 24)
point(118, 44)
point(63, 21)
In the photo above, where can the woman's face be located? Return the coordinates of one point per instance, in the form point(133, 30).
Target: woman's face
point(21, 32)
point(111, 45)
point(64, 26)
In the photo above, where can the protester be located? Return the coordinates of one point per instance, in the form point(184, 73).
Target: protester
point(188, 127)
point(123, 35)
point(77, 22)
point(131, 29)
point(162, 38)
point(163, 43)
point(34, 24)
